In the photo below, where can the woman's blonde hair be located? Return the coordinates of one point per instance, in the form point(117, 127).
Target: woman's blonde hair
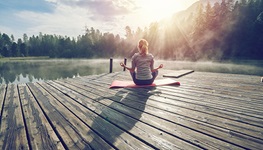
point(143, 46)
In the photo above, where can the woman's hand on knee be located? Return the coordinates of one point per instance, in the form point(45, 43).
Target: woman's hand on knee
point(161, 66)
point(122, 64)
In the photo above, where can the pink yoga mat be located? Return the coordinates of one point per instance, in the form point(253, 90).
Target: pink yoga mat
point(159, 82)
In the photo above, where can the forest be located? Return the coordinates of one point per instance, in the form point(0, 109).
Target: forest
point(220, 31)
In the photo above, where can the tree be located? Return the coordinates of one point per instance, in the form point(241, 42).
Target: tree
point(23, 49)
point(12, 38)
point(5, 45)
point(208, 17)
point(14, 51)
point(153, 38)
point(25, 38)
point(199, 22)
point(129, 34)
point(138, 34)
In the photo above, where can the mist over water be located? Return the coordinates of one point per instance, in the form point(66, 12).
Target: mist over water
point(237, 67)
point(23, 71)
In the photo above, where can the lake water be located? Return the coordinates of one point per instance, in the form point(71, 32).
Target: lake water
point(23, 71)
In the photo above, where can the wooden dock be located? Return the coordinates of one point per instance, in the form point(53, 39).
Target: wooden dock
point(207, 111)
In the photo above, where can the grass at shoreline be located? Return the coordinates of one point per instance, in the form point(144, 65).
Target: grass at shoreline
point(24, 58)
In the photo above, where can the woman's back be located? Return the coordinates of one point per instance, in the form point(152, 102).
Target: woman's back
point(144, 65)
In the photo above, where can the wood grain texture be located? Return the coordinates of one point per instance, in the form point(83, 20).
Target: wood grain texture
point(40, 132)
point(12, 130)
point(207, 111)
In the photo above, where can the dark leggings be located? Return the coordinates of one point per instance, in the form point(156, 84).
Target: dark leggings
point(144, 82)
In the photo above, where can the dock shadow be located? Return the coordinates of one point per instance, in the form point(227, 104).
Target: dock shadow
point(122, 114)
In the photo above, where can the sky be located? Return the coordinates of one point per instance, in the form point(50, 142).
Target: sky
point(71, 17)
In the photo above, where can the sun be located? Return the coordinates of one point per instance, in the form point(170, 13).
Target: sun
point(161, 9)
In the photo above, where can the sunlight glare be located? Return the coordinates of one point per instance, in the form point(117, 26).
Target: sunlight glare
point(160, 9)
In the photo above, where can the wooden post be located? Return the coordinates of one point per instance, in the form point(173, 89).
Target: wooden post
point(125, 62)
point(111, 63)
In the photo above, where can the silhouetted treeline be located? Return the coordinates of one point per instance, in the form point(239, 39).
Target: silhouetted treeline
point(225, 30)
point(228, 30)
point(91, 44)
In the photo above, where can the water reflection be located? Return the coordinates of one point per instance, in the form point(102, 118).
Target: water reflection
point(19, 79)
point(23, 71)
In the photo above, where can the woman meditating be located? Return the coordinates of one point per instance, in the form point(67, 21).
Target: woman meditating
point(142, 70)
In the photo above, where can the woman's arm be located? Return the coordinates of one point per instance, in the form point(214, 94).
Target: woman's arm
point(124, 66)
point(161, 66)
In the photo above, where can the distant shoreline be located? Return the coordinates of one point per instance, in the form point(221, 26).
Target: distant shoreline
point(25, 58)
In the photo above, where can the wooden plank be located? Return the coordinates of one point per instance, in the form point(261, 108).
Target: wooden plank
point(232, 88)
point(246, 96)
point(178, 73)
point(12, 130)
point(40, 133)
point(113, 134)
point(206, 107)
point(197, 96)
point(208, 111)
point(216, 110)
point(204, 80)
point(212, 92)
point(87, 120)
point(2, 97)
point(214, 119)
point(137, 128)
point(58, 119)
point(238, 139)
point(214, 101)
point(154, 120)
point(234, 82)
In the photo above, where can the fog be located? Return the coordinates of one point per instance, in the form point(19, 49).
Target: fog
point(240, 67)
point(18, 71)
